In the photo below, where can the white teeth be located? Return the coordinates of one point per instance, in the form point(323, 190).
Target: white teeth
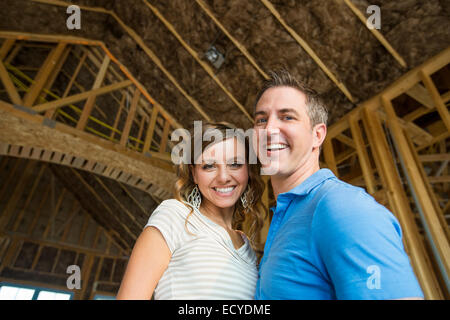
point(224, 190)
point(276, 146)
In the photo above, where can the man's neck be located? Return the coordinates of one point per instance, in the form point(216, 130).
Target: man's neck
point(284, 183)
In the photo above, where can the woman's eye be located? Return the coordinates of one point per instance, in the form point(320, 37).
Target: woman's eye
point(260, 120)
point(207, 166)
point(236, 165)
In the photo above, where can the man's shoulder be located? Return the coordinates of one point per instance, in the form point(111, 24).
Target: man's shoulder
point(340, 201)
point(335, 191)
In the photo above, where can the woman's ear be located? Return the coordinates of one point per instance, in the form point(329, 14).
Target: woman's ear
point(319, 134)
point(192, 169)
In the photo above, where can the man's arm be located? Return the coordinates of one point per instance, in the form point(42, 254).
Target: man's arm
point(359, 243)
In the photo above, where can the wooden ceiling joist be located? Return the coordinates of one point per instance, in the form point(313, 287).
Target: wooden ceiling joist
point(376, 33)
point(144, 47)
point(195, 55)
point(81, 96)
point(308, 49)
point(238, 45)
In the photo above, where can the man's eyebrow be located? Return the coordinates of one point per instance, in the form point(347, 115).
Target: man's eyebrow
point(288, 110)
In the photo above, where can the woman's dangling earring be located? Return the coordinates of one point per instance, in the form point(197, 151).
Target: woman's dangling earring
point(195, 198)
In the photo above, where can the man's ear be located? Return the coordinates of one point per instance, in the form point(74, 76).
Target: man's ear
point(319, 134)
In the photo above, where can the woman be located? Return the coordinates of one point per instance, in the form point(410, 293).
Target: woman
point(190, 247)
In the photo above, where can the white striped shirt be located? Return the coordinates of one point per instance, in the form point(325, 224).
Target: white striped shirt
point(204, 265)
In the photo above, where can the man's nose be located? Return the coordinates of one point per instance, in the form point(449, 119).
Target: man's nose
point(272, 126)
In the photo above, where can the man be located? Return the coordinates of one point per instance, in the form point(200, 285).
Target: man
point(327, 239)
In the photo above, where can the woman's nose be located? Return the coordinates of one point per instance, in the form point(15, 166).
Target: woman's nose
point(223, 175)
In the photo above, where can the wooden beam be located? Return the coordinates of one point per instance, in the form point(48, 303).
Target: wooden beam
point(164, 138)
point(377, 34)
point(363, 156)
point(130, 118)
point(19, 217)
point(238, 45)
point(83, 41)
point(420, 94)
point(43, 75)
point(87, 109)
point(6, 46)
point(308, 49)
point(195, 55)
point(434, 157)
point(440, 105)
point(100, 200)
point(150, 131)
point(81, 96)
point(9, 85)
point(328, 153)
point(400, 204)
point(19, 188)
point(436, 232)
point(346, 140)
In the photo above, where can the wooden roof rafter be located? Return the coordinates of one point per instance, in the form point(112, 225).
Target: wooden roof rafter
point(238, 45)
point(307, 48)
point(144, 47)
point(195, 55)
point(377, 34)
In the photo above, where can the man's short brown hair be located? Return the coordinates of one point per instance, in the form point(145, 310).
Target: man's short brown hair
point(316, 110)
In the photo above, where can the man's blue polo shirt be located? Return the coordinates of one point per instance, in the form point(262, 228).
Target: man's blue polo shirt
point(331, 240)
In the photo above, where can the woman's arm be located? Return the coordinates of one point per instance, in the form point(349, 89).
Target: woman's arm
point(148, 261)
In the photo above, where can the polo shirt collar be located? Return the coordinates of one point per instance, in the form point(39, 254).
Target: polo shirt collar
point(311, 182)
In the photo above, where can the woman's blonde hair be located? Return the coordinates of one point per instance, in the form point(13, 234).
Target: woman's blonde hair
point(254, 211)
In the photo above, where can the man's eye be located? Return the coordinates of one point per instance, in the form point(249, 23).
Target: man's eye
point(207, 166)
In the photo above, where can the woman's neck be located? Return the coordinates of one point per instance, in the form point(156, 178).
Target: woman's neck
point(221, 216)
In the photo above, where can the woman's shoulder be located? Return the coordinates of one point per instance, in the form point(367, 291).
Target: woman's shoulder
point(171, 209)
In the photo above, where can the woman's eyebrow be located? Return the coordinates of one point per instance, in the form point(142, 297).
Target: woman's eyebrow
point(236, 159)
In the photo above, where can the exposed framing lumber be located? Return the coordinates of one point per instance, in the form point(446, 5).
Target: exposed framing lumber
point(362, 155)
point(308, 49)
point(195, 55)
point(395, 89)
point(130, 117)
point(81, 96)
point(377, 34)
point(438, 102)
point(141, 43)
point(87, 109)
point(329, 156)
point(11, 36)
point(9, 86)
point(100, 200)
point(433, 224)
point(6, 46)
point(238, 45)
point(434, 157)
point(43, 74)
point(398, 200)
point(419, 93)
